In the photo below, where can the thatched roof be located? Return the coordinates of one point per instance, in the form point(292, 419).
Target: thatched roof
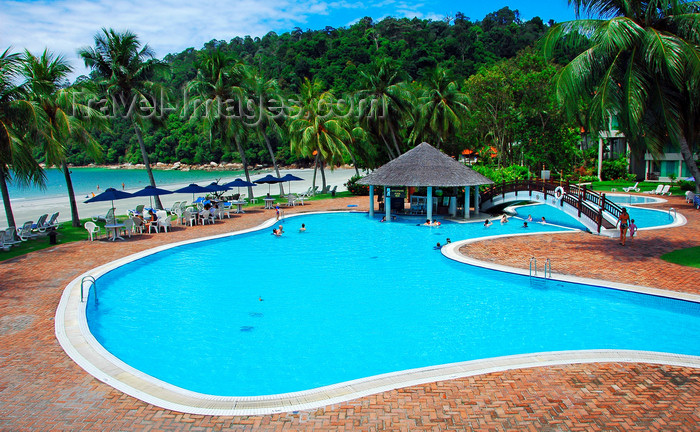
point(424, 165)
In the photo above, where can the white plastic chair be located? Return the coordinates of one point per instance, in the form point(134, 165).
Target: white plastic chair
point(189, 217)
point(128, 227)
point(92, 229)
point(163, 220)
point(204, 216)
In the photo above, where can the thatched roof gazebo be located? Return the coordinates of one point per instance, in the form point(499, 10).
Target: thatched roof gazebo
point(425, 166)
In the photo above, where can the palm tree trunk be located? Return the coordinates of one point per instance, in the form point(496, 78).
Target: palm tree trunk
point(690, 162)
point(75, 219)
point(393, 137)
point(354, 163)
point(388, 149)
point(313, 182)
point(274, 161)
point(144, 156)
point(6, 199)
point(244, 161)
point(323, 177)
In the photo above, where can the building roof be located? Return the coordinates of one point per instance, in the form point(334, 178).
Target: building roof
point(424, 165)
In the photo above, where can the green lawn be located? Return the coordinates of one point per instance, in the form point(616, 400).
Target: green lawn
point(606, 186)
point(687, 257)
point(66, 234)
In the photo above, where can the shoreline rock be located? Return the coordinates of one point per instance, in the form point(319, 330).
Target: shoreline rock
point(212, 166)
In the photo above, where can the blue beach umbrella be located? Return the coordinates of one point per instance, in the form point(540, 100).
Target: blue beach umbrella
point(216, 187)
point(193, 188)
point(150, 192)
point(239, 183)
point(269, 179)
point(110, 194)
point(290, 178)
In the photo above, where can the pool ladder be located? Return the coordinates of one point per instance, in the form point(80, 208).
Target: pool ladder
point(675, 214)
point(547, 274)
point(93, 283)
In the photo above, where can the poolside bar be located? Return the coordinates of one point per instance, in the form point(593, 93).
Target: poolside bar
point(425, 166)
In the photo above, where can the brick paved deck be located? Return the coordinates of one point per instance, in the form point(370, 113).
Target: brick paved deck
point(42, 389)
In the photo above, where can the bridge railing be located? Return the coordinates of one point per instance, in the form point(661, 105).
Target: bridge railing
point(588, 203)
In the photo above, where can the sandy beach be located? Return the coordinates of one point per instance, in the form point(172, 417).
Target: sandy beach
point(30, 209)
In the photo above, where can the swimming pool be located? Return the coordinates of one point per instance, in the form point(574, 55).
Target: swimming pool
point(633, 199)
point(643, 217)
point(341, 301)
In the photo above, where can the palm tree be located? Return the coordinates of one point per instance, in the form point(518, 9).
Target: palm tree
point(643, 67)
point(220, 91)
point(19, 119)
point(384, 102)
point(66, 115)
point(125, 70)
point(442, 107)
point(314, 132)
point(263, 91)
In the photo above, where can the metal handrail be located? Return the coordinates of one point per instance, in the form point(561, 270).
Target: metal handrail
point(93, 282)
point(533, 259)
point(588, 203)
point(547, 268)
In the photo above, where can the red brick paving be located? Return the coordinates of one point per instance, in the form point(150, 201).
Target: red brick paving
point(42, 389)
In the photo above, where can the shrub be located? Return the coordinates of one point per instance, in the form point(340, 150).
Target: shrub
point(686, 185)
point(498, 175)
point(614, 169)
point(356, 189)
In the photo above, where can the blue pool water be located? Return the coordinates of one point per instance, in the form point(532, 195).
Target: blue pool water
point(351, 298)
point(643, 217)
point(631, 199)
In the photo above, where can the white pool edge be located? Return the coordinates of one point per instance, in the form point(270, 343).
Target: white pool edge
point(76, 340)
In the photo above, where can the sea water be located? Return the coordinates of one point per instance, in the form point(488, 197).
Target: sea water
point(86, 181)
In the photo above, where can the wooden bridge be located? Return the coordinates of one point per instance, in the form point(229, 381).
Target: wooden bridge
point(591, 208)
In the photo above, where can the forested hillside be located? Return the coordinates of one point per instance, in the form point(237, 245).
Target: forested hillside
point(413, 55)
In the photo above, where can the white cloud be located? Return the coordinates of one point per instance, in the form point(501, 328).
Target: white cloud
point(168, 26)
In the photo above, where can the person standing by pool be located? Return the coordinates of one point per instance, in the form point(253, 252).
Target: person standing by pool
point(623, 220)
point(632, 228)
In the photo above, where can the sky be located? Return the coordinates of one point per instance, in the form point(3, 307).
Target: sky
point(170, 26)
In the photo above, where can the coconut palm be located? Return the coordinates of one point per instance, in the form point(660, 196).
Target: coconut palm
point(314, 131)
point(125, 70)
point(66, 115)
point(219, 90)
point(442, 107)
point(262, 92)
point(643, 67)
point(384, 102)
point(19, 119)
